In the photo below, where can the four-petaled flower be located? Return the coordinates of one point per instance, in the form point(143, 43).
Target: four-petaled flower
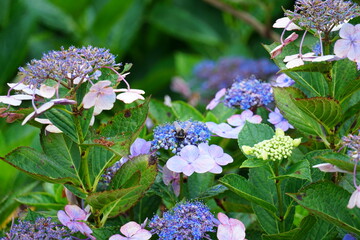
point(217, 154)
point(354, 199)
point(101, 96)
point(73, 218)
point(230, 228)
point(279, 121)
point(132, 231)
point(349, 45)
point(129, 95)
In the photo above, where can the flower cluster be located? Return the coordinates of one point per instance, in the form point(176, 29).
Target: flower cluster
point(189, 220)
point(199, 159)
point(276, 148)
point(322, 15)
point(179, 134)
point(73, 64)
point(247, 93)
point(353, 143)
point(220, 74)
point(278, 120)
point(42, 228)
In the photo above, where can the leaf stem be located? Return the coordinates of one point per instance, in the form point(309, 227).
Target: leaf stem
point(280, 196)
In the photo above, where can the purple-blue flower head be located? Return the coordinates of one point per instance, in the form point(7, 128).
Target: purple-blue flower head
point(322, 15)
point(179, 134)
point(248, 93)
point(189, 220)
point(73, 63)
point(42, 228)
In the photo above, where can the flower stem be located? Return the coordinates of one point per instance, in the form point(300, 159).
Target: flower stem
point(280, 196)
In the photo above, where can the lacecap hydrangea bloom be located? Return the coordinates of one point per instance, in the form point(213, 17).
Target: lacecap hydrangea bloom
point(179, 134)
point(189, 220)
point(276, 148)
point(42, 228)
point(248, 93)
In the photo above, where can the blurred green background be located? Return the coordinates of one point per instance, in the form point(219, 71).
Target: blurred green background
point(162, 38)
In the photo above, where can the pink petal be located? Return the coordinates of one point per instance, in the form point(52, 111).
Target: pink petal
point(142, 234)
point(284, 125)
point(216, 169)
point(189, 153)
point(83, 228)
point(53, 129)
point(276, 51)
point(100, 85)
point(347, 31)
point(176, 164)
point(129, 97)
point(130, 229)
point(105, 101)
point(10, 100)
point(47, 91)
point(224, 160)
point(203, 164)
point(354, 53)
point(295, 63)
point(75, 212)
point(292, 37)
point(63, 218)
point(89, 100)
point(224, 232)
point(188, 170)
point(28, 117)
point(236, 120)
point(45, 107)
point(118, 237)
point(342, 47)
point(284, 22)
point(354, 199)
point(213, 103)
point(22, 97)
point(223, 218)
point(215, 151)
point(255, 119)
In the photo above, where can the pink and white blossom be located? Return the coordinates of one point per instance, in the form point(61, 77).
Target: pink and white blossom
point(279, 121)
point(230, 228)
point(217, 154)
point(50, 126)
point(278, 50)
point(354, 199)
point(349, 44)
point(214, 102)
point(173, 178)
point(286, 23)
point(132, 231)
point(129, 95)
point(328, 167)
point(100, 96)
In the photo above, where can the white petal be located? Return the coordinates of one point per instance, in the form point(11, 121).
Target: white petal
point(47, 91)
point(53, 129)
point(283, 22)
point(10, 100)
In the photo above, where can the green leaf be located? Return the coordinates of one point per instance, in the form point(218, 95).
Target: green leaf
point(299, 170)
point(40, 199)
point(212, 192)
point(345, 79)
point(340, 160)
point(104, 233)
point(160, 113)
point(222, 112)
point(326, 111)
point(184, 111)
point(284, 98)
point(42, 167)
point(281, 236)
point(328, 201)
point(312, 228)
point(246, 190)
point(253, 163)
point(63, 121)
point(122, 130)
point(181, 23)
point(252, 133)
point(199, 183)
point(127, 187)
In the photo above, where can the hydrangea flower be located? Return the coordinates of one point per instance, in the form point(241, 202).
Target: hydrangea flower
point(286, 23)
point(173, 178)
point(167, 136)
point(354, 199)
point(190, 160)
point(349, 44)
point(129, 95)
point(217, 99)
point(42, 228)
point(189, 220)
point(283, 81)
point(349, 237)
point(132, 231)
point(101, 96)
point(230, 228)
point(248, 93)
point(217, 154)
point(238, 121)
point(72, 217)
point(279, 121)
point(327, 167)
point(278, 50)
point(276, 148)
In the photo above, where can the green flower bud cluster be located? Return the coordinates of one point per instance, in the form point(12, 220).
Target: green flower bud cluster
point(276, 148)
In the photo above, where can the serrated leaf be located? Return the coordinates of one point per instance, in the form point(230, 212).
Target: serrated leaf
point(184, 111)
point(328, 201)
point(340, 160)
point(345, 79)
point(326, 111)
point(160, 113)
point(253, 163)
point(281, 236)
point(212, 192)
point(199, 183)
point(252, 133)
point(246, 190)
point(299, 170)
point(312, 228)
point(122, 130)
point(63, 121)
point(104, 233)
point(298, 118)
point(40, 199)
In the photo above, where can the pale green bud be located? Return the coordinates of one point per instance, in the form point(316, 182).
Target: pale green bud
point(247, 150)
point(279, 132)
point(296, 142)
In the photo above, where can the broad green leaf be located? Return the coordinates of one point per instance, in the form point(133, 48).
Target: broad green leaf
point(345, 79)
point(85, 119)
point(183, 111)
point(299, 170)
point(40, 166)
point(198, 183)
point(40, 199)
point(326, 111)
point(181, 23)
point(160, 113)
point(104, 233)
point(146, 207)
point(246, 190)
point(63, 121)
point(252, 133)
point(281, 236)
point(298, 118)
point(340, 160)
point(122, 130)
point(212, 192)
point(185, 63)
point(126, 188)
point(312, 228)
point(253, 163)
point(328, 201)
point(222, 112)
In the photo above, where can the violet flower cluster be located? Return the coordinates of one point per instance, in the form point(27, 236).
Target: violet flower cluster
point(174, 138)
point(42, 228)
point(189, 220)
